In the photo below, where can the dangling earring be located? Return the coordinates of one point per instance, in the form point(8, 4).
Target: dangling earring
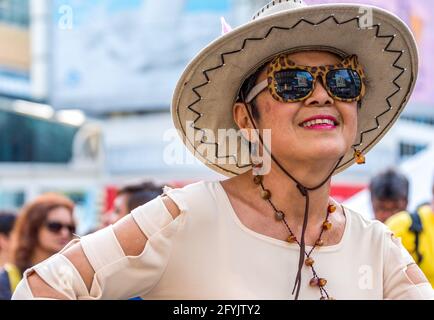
point(360, 158)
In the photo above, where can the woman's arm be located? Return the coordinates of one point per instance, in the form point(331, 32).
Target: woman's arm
point(403, 279)
point(130, 237)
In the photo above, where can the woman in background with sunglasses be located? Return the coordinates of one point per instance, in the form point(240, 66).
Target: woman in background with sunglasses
point(263, 234)
point(43, 227)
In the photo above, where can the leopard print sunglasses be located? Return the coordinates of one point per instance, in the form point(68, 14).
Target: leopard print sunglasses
point(289, 82)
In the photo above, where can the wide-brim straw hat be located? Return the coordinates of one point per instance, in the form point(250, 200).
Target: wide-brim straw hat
point(208, 88)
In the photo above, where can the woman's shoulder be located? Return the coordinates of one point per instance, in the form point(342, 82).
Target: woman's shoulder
point(364, 226)
point(194, 194)
point(194, 187)
point(201, 187)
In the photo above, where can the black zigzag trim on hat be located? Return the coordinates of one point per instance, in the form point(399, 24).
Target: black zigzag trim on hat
point(332, 16)
point(272, 4)
point(398, 88)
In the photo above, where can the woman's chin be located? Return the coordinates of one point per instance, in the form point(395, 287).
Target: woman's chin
point(319, 149)
point(322, 153)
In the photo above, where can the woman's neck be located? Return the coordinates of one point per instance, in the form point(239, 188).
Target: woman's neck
point(287, 197)
point(245, 196)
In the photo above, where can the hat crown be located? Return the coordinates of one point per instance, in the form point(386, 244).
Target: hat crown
point(278, 6)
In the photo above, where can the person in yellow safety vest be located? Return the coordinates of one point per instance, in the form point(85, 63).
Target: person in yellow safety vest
point(416, 231)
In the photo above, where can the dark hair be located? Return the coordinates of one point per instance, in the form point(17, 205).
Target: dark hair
point(7, 220)
point(248, 85)
point(30, 219)
point(139, 194)
point(389, 185)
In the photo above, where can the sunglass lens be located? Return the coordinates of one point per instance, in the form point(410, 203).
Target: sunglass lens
point(54, 227)
point(344, 83)
point(293, 84)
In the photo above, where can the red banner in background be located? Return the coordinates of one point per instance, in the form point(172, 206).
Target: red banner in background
point(110, 195)
point(340, 192)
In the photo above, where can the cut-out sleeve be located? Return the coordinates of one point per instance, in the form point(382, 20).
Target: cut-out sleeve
point(117, 276)
point(397, 285)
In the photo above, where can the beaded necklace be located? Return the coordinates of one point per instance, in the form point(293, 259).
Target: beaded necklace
point(315, 281)
point(305, 193)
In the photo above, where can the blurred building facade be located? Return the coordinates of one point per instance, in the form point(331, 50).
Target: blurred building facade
point(85, 91)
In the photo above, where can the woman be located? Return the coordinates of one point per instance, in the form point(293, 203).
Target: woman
point(271, 231)
point(43, 227)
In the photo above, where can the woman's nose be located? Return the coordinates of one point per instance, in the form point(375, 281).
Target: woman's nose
point(65, 233)
point(319, 96)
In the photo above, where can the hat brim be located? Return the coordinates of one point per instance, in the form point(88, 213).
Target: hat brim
point(205, 94)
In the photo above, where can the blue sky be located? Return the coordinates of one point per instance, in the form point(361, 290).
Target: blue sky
point(208, 5)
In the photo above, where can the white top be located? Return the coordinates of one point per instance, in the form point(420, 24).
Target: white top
point(207, 253)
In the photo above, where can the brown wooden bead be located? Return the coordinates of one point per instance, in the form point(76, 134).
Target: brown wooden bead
point(360, 158)
point(313, 282)
point(319, 242)
point(327, 225)
point(265, 194)
point(257, 179)
point(291, 239)
point(331, 208)
point(322, 282)
point(279, 215)
point(309, 262)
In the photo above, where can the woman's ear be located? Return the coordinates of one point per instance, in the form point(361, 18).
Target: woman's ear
point(242, 119)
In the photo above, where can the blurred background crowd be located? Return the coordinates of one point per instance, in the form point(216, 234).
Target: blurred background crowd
point(85, 124)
